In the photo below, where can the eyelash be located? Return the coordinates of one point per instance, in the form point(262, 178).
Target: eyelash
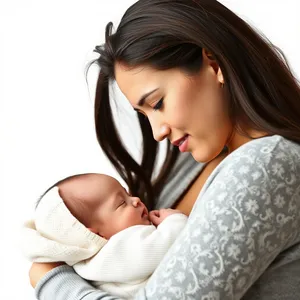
point(122, 204)
point(158, 105)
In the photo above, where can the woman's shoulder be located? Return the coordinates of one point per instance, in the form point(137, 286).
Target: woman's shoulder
point(271, 143)
point(264, 162)
point(264, 151)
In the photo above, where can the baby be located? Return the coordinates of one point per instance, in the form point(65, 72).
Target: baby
point(90, 222)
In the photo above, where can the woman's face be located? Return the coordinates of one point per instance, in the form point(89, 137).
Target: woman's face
point(189, 110)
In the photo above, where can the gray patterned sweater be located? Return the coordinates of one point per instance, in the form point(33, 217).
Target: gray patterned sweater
point(242, 239)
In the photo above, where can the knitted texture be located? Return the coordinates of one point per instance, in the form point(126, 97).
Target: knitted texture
point(56, 235)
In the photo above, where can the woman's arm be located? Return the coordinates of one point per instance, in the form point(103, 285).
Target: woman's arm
point(184, 173)
point(244, 218)
point(247, 213)
point(61, 282)
point(188, 167)
point(38, 270)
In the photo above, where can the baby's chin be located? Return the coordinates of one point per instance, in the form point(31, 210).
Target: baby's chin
point(147, 222)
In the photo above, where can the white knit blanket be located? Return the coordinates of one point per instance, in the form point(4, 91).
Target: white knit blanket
point(124, 263)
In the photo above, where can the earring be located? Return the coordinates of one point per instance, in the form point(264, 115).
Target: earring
point(222, 85)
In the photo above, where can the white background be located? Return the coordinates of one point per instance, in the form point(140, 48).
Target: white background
point(46, 107)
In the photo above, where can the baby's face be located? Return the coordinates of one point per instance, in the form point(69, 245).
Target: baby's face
point(111, 208)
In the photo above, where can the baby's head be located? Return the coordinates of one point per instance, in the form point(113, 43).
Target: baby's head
point(101, 204)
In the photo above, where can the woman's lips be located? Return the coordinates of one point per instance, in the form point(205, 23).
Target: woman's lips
point(182, 143)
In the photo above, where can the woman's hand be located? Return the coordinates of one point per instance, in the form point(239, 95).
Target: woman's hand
point(38, 270)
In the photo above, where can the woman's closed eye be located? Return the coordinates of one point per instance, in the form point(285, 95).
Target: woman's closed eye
point(158, 105)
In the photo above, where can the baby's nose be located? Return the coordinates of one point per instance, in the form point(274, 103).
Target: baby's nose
point(136, 201)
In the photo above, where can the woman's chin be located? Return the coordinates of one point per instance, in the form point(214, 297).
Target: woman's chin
point(200, 157)
point(204, 156)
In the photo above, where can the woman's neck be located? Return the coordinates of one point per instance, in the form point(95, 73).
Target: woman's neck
point(237, 139)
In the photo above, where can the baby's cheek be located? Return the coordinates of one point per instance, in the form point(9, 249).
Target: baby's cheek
point(135, 218)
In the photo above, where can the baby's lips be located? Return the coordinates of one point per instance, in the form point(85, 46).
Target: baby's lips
point(144, 212)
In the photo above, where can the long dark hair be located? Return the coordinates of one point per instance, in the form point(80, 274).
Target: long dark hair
point(263, 92)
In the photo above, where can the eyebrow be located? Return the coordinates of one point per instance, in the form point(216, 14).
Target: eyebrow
point(144, 97)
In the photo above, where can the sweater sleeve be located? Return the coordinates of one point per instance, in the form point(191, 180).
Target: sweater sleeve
point(62, 283)
point(138, 249)
point(245, 216)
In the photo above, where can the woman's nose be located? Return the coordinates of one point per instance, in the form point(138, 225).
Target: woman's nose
point(160, 132)
point(160, 129)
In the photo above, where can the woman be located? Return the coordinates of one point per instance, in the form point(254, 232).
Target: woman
point(203, 79)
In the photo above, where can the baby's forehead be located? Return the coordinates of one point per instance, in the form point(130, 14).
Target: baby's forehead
point(90, 180)
point(91, 187)
point(100, 181)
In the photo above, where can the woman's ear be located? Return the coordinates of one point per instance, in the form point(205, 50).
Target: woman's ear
point(209, 59)
point(220, 76)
